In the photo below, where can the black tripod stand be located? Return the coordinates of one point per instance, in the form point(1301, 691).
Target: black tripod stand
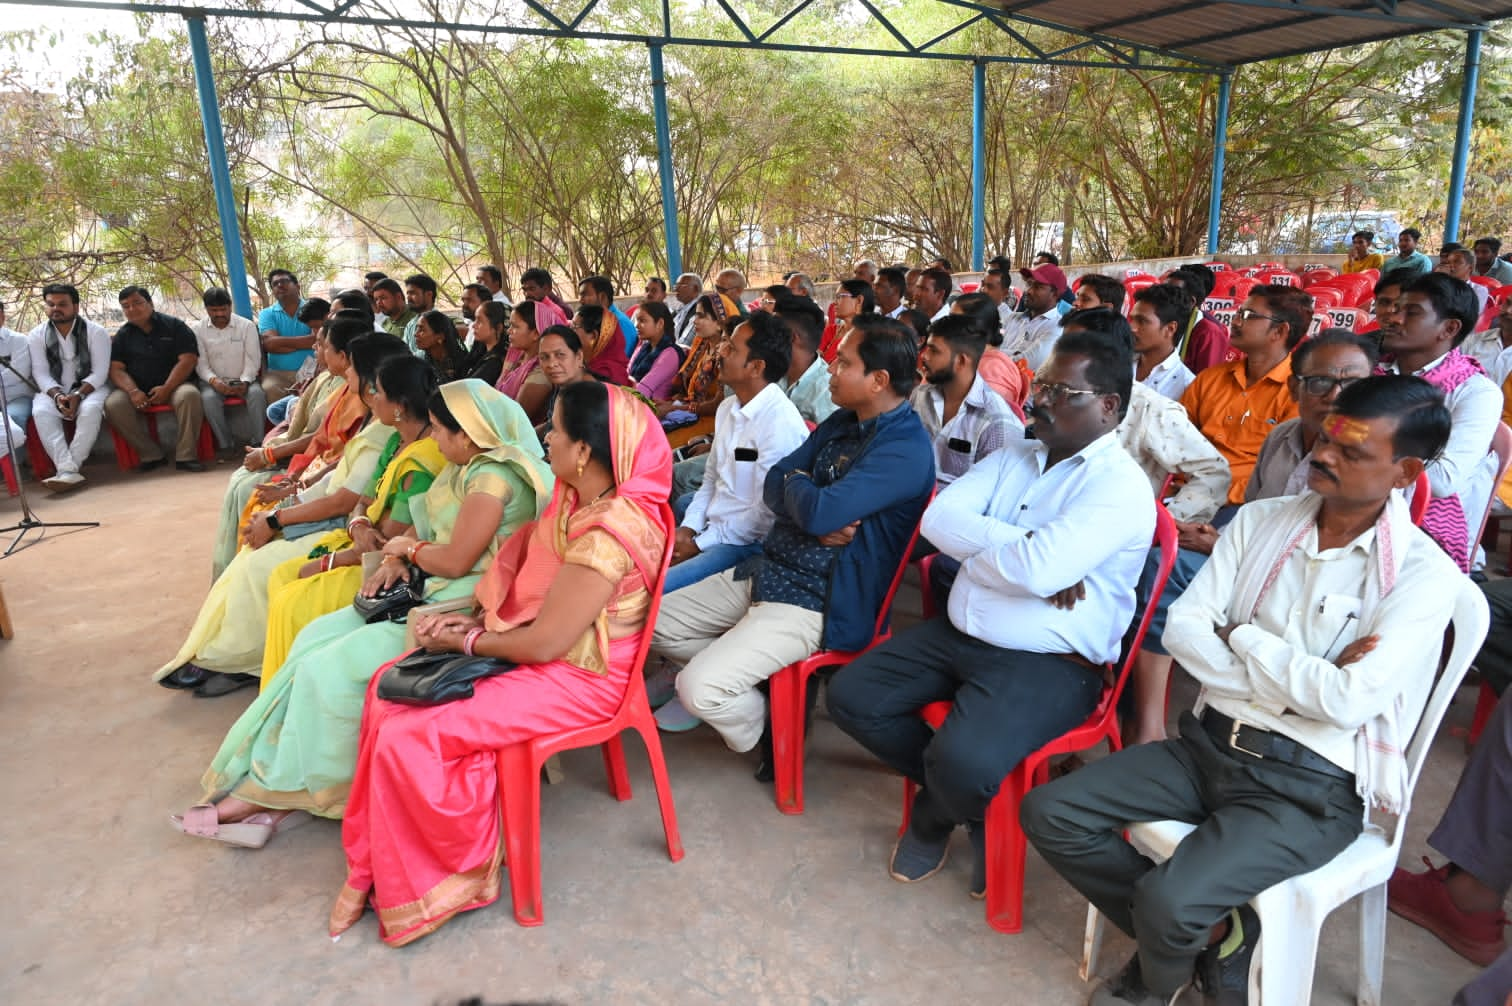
point(29, 521)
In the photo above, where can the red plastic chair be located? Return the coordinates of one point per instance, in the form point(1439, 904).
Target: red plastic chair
point(1501, 293)
point(41, 464)
point(1006, 842)
point(8, 469)
point(519, 767)
point(788, 693)
point(1325, 297)
point(1422, 492)
point(126, 455)
point(1234, 287)
point(1486, 281)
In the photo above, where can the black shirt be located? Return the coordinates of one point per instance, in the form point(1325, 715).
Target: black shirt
point(151, 356)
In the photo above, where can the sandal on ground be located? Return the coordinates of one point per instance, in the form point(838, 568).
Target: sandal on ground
point(201, 821)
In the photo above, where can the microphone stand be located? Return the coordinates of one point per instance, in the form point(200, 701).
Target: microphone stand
point(29, 520)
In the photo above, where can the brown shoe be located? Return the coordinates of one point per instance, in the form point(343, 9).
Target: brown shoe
point(1423, 898)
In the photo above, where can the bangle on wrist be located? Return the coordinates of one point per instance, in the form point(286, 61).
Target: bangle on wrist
point(414, 551)
point(471, 640)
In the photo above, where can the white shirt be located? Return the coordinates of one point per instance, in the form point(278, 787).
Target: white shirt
point(1161, 439)
point(981, 425)
point(1487, 348)
point(1023, 533)
point(682, 324)
point(15, 348)
point(728, 508)
point(99, 356)
point(500, 297)
point(1282, 660)
point(1169, 377)
point(1031, 339)
point(944, 311)
point(897, 312)
point(233, 353)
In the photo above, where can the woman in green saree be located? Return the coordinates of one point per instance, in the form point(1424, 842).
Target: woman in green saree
point(295, 747)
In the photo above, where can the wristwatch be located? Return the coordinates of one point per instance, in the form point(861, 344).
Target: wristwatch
point(273, 521)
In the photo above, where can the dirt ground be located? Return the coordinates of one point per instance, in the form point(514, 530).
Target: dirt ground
point(107, 904)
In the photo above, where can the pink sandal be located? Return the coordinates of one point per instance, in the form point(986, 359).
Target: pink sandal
point(203, 821)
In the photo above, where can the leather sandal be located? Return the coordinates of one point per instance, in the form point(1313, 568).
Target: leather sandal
point(185, 677)
point(217, 684)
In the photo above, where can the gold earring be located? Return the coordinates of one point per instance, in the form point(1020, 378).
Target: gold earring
point(580, 468)
point(398, 415)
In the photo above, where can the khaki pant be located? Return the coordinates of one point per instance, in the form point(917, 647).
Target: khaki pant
point(728, 646)
point(276, 383)
point(188, 413)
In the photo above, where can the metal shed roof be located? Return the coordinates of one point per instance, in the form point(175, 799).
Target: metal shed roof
point(1231, 32)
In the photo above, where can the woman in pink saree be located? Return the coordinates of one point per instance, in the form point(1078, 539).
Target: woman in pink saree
point(566, 600)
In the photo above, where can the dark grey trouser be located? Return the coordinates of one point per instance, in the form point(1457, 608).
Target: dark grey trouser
point(1495, 658)
point(1259, 823)
point(1492, 987)
point(1476, 829)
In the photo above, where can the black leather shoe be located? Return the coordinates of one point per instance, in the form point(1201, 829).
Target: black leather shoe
point(766, 769)
point(186, 677)
point(150, 466)
point(189, 466)
point(218, 684)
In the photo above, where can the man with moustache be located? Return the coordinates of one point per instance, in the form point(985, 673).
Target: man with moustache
point(1051, 534)
point(966, 419)
point(1310, 630)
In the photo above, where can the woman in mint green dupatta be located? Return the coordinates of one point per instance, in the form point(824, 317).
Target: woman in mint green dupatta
point(295, 747)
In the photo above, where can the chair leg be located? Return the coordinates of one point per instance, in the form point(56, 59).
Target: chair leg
point(663, 785)
point(785, 696)
point(1372, 944)
point(1092, 941)
point(614, 767)
point(1485, 705)
point(1007, 847)
point(520, 797)
point(206, 446)
point(1288, 949)
point(908, 798)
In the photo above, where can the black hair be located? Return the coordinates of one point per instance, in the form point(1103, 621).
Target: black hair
point(1290, 304)
point(1334, 337)
point(66, 289)
point(441, 324)
point(134, 291)
point(536, 275)
point(983, 312)
point(369, 350)
point(945, 263)
point(1000, 264)
point(1449, 246)
point(585, 419)
point(339, 332)
point(962, 333)
point(658, 281)
point(217, 296)
point(494, 273)
point(1204, 273)
point(1110, 358)
point(1422, 419)
point(407, 381)
point(592, 316)
point(804, 318)
point(422, 282)
point(1411, 232)
point(895, 277)
point(1109, 289)
point(940, 280)
point(566, 334)
point(282, 272)
point(441, 412)
point(1494, 244)
point(497, 314)
point(1395, 277)
point(482, 292)
point(353, 299)
point(389, 285)
point(313, 309)
point(1190, 283)
point(1451, 299)
point(1169, 303)
point(600, 285)
point(861, 288)
point(1104, 321)
point(771, 342)
point(658, 311)
point(888, 344)
point(1369, 236)
point(526, 309)
point(374, 276)
point(1050, 257)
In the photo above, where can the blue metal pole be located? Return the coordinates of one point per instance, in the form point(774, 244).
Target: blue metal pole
point(1462, 135)
point(1220, 150)
point(220, 171)
point(978, 165)
point(664, 164)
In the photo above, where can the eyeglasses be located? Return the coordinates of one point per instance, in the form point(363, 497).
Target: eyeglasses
point(725, 290)
point(1244, 314)
point(842, 295)
point(1057, 393)
point(1319, 385)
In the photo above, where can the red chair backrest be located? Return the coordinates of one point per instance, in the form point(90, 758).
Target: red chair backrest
point(1166, 542)
point(1501, 293)
point(1485, 281)
point(1234, 287)
point(892, 588)
point(1325, 297)
point(1422, 492)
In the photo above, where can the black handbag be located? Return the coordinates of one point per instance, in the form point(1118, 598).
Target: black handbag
point(429, 679)
point(393, 603)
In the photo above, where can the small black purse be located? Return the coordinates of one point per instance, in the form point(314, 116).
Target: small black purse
point(392, 604)
point(430, 679)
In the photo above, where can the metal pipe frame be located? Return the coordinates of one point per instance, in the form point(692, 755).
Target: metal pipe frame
point(1220, 151)
point(664, 165)
point(220, 170)
point(978, 165)
point(1462, 136)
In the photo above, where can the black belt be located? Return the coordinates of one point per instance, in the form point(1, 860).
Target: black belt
point(1234, 735)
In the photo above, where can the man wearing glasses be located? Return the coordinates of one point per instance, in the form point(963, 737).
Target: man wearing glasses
point(286, 340)
point(1237, 404)
point(732, 284)
point(1051, 534)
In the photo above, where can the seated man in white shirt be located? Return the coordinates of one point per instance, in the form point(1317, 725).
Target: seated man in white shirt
point(70, 360)
point(755, 427)
point(1458, 261)
point(16, 379)
point(230, 353)
point(966, 419)
point(1030, 333)
point(1051, 534)
point(1313, 630)
point(931, 293)
point(1158, 317)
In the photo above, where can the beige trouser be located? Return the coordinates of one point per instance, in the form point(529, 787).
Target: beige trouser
point(276, 383)
point(728, 646)
point(188, 412)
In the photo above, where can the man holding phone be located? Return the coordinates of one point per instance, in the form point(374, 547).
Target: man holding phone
point(230, 354)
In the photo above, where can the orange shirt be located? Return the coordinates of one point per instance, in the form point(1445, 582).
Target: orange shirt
point(1238, 417)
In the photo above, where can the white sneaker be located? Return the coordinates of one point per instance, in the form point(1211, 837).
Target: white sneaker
point(673, 718)
point(63, 482)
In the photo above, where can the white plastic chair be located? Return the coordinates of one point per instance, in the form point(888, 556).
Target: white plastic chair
point(1292, 912)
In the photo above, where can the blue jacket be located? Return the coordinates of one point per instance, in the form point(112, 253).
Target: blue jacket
point(886, 488)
